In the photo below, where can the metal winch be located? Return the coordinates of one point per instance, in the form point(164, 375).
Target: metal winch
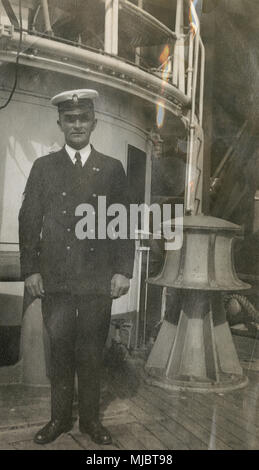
point(194, 348)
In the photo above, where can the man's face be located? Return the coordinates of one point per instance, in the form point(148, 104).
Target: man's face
point(77, 126)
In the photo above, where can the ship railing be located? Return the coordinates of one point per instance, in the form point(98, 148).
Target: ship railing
point(132, 35)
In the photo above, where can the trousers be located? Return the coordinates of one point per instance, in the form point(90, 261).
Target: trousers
point(77, 327)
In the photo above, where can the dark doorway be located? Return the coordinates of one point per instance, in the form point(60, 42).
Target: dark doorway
point(136, 172)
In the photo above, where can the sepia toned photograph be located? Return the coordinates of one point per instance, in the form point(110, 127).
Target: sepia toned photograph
point(129, 227)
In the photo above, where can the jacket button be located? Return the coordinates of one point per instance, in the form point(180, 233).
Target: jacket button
point(68, 229)
point(68, 248)
point(64, 212)
point(91, 249)
point(94, 195)
point(64, 193)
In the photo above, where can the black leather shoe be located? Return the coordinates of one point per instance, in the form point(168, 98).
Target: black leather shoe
point(51, 431)
point(98, 433)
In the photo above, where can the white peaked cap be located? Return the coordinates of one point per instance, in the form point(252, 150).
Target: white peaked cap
point(74, 97)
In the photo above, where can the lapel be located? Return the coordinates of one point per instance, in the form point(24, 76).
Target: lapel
point(93, 167)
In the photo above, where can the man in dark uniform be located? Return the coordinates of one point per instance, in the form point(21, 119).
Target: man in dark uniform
point(76, 277)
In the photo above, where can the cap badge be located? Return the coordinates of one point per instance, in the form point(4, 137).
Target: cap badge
point(75, 99)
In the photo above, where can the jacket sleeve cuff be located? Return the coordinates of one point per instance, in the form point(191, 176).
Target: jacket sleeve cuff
point(29, 267)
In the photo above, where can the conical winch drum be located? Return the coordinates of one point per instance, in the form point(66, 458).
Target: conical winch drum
point(205, 261)
point(194, 348)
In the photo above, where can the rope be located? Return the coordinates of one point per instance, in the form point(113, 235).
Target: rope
point(245, 304)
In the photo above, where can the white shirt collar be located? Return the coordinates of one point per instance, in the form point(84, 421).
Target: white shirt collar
point(84, 152)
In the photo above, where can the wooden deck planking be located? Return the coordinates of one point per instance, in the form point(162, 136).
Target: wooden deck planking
point(244, 402)
point(201, 426)
point(151, 406)
point(181, 434)
point(139, 414)
point(123, 436)
point(155, 426)
point(154, 419)
point(150, 441)
point(84, 441)
point(152, 411)
point(228, 430)
point(187, 437)
point(246, 396)
point(217, 440)
point(183, 428)
point(234, 410)
point(63, 442)
point(252, 395)
point(239, 417)
point(169, 439)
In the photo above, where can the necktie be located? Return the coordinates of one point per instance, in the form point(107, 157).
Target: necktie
point(78, 163)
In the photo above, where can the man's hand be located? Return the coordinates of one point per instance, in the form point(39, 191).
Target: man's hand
point(119, 286)
point(34, 285)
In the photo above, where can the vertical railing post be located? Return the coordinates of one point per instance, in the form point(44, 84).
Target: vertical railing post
point(190, 66)
point(115, 27)
point(176, 47)
point(195, 75)
point(195, 122)
point(108, 26)
point(191, 156)
point(111, 25)
point(202, 72)
point(45, 8)
point(181, 67)
point(138, 50)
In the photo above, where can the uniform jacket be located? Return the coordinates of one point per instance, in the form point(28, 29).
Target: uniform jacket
point(47, 220)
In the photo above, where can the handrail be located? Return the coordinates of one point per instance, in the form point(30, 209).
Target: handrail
point(202, 74)
point(190, 66)
point(102, 60)
point(194, 72)
point(195, 78)
point(185, 79)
